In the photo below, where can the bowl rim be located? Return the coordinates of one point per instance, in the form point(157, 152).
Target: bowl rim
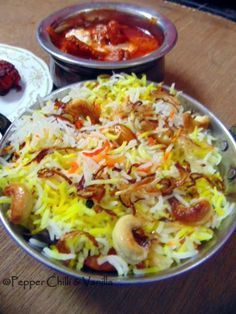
point(166, 26)
point(115, 279)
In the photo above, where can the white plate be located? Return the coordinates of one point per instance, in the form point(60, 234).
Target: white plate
point(35, 81)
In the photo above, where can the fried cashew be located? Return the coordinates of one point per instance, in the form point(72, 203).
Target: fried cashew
point(22, 202)
point(202, 122)
point(78, 108)
point(197, 214)
point(124, 241)
point(199, 121)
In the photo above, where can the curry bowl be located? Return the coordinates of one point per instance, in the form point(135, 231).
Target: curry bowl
point(67, 68)
point(223, 141)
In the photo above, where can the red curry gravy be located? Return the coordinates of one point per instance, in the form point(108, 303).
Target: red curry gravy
point(109, 40)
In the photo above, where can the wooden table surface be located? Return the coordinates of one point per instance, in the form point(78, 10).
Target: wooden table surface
point(203, 64)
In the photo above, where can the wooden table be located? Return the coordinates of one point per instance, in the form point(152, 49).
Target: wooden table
point(203, 64)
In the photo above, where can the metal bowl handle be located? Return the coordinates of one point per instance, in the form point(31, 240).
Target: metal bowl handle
point(4, 124)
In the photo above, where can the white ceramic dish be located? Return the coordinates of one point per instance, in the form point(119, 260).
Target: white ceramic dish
point(35, 81)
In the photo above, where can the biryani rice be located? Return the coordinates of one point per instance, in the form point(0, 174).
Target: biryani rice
point(60, 210)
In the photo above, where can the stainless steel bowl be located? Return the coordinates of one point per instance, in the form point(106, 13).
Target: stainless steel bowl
point(225, 142)
point(66, 69)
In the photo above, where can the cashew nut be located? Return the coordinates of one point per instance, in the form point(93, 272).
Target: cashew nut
point(124, 241)
point(22, 202)
point(78, 108)
point(202, 121)
point(197, 214)
point(199, 121)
